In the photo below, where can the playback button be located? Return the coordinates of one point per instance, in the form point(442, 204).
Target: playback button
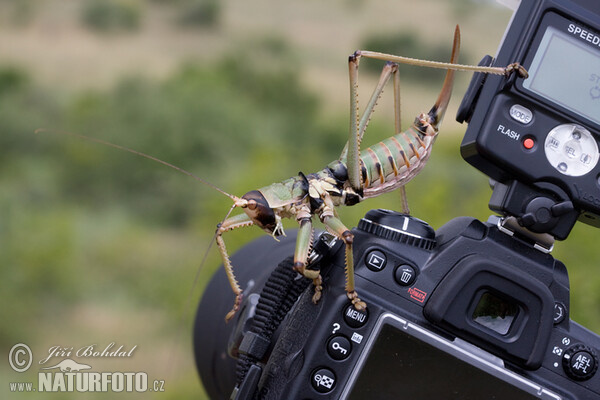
point(375, 260)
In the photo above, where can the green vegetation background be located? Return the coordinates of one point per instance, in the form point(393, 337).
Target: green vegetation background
point(100, 246)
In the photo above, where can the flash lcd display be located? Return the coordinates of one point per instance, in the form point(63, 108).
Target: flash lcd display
point(566, 71)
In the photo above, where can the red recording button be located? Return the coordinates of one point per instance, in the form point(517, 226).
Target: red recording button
point(528, 143)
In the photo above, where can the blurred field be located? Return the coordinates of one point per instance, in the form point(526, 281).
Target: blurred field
point(100, 246)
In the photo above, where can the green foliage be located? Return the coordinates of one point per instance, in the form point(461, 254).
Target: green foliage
point(112, 15)
point(64, 199)
point(11, 78)
point(208, 121)
point(200, 13)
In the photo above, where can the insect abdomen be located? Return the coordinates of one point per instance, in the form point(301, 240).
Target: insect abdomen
point(392, 158)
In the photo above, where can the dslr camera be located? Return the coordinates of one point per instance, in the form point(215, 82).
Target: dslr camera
point(474, 310)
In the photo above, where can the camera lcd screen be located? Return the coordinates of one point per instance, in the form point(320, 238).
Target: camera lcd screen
point(401, 366)
point(567, 72)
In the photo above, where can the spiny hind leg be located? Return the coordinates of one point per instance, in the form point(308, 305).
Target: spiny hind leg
point(358, 125)
point(303, 245)
point(237, 221)
point(403, 200)
point(398, 126)
point(337, 227)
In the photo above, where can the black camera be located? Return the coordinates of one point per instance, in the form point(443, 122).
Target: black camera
point(473, 310)
point(466, 312)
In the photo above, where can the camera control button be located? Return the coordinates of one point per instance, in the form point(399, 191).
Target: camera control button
point(405, 275)
point(355, 318)
point(521, 114)
point(571, 149)
point(580, 362)
point(323, 380)
point(339, 348)
point(560, 312)
point(375, 260)
point(528, 143)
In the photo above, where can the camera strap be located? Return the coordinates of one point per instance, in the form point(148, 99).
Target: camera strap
point(281, 291)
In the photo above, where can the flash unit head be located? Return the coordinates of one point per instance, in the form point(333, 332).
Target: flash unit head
point(538, 137)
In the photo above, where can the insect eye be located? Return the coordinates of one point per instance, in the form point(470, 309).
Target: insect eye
point(252, 204)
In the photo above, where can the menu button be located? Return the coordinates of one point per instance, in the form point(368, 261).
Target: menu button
point(355, 318)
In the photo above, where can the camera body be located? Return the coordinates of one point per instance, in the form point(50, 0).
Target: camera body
point(480, 312)
point(466, 310)
point(537, 137)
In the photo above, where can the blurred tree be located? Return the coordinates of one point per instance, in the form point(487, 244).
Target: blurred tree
point(199, 13)
point(11, 79)
point(112, 15)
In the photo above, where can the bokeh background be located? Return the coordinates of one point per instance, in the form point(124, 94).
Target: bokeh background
point(100, 246)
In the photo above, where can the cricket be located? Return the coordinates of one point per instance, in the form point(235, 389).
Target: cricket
point(356, 176)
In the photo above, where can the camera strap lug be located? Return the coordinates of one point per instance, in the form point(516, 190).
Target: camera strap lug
point(254, 345)
point(543, 242)
point(323, 245)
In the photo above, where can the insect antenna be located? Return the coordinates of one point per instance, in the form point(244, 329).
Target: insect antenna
point(238, 202)
point(139, 153)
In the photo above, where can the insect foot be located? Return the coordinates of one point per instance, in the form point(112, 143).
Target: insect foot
point(300, 267)
point(318, 283)
point(518, 68)
point(236, 307)
point(356, 301)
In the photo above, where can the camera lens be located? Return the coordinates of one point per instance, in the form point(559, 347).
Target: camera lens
point(212, 336)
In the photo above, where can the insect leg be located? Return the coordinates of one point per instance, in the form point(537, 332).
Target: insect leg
point(398, 126)
point(229, 224)
point(353, 158)
point(397, 101)
point(387, 71)
point(403, 200)
point(358, 125)
point(303, 245)
point(509, 69)
point(344, 233)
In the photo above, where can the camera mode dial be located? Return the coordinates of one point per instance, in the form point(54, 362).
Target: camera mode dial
point(398, 227)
